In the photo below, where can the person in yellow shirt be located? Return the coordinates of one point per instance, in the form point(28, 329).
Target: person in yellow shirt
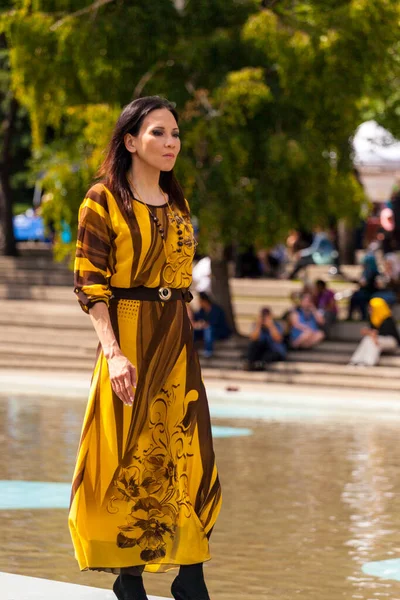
point(382, 336)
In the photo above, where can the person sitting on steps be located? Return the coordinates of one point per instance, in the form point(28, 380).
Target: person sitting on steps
point(367, 288)
point(306, 323)
point(210, 324)
point(324, 301)
point(382, 336)
point(266, 342)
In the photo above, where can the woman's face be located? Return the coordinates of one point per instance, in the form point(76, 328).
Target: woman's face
point(157, 143)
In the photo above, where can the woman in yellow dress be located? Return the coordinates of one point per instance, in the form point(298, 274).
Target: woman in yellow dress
point(145, 493)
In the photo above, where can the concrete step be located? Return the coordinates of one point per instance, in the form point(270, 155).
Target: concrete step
point(336, 370)
point(36, 330)
point(43, 293)
point(252, 305)
point(347, 331)
point(48, 314)
point(37, 362)
point(44, 350)
point(352, 380)
point(58, 315)
point(335, 346)
point(307, 362)
point(46, 284)
point(14, 300)
point(387, 375)
point(232, 349)
point(35, 249)
point(46, 293)
point(48, 336)
point(238, 344)
point(61, 344)
point(41, 277)
point(32, 267)
point(244, 288)
point(297, 360)
point(338, 358)
point(234, 346)
point(342, 331)
point(32, 261)
point(353, 377)
point(51, 321)
point(246, 310)
point(21, 587)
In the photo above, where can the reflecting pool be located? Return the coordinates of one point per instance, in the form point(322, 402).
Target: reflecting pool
point(311, 500)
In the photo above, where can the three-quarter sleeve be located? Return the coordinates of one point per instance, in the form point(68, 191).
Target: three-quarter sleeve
point(93, 246)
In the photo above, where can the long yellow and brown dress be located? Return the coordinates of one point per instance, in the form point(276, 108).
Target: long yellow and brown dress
point(145, 488)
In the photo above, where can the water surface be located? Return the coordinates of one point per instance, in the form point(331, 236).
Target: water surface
point(307, 503)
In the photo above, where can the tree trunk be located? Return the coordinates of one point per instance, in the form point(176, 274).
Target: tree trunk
point(346, 243)
point(8, 245)
point(221, 292)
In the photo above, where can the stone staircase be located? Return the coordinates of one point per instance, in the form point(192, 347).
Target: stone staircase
point(43, 328)
point(327, 365)
point(24, 277)
point(38, 278)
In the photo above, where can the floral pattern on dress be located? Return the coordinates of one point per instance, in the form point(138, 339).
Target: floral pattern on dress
point(155, 483)
point(177, 271)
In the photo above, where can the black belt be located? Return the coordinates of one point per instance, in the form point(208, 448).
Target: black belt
point(162, 294)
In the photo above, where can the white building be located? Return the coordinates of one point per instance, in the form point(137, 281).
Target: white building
point(377, 159)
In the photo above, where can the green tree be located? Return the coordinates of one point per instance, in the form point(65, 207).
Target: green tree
point(272, 140)
point(15, 147)
point(270, 94)
point(69, 73)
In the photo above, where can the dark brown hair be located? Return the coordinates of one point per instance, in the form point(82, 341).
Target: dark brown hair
point(204, 296)
point(118, 160)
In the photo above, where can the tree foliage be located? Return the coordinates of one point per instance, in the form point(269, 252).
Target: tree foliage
point(270, 94)
point(14, 152)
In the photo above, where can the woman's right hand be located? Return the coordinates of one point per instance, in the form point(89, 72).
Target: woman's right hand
point(123, 378)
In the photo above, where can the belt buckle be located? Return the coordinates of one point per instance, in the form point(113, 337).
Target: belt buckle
point(165, 293)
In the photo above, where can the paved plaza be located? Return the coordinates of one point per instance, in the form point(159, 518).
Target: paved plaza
point(20, 587)
point(310, 480)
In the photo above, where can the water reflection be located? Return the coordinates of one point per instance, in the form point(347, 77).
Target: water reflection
point(305, 505)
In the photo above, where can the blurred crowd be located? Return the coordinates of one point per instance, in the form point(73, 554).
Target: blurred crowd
point(378, 280)
point(304, 325)
point(307, 323)
point(314, 310)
